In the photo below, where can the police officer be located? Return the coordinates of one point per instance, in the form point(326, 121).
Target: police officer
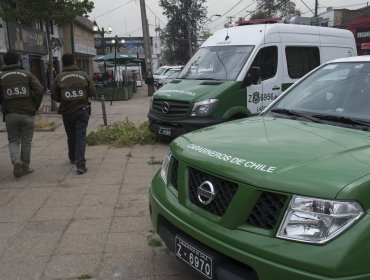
point(21, 95)
point(71, 89)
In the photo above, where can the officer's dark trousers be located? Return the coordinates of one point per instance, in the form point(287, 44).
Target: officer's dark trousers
point(75, 125)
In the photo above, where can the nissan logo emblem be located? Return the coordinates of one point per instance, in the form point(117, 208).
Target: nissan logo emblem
point(206, 193)
point(165, 107)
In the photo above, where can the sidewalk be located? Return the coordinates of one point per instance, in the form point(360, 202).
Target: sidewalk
point(55, 224)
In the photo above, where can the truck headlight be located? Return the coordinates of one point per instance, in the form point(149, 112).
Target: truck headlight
point(203, 108)
point(165, 166)
point(317, 221)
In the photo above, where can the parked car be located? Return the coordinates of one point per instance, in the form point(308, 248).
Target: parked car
point(282, 195)
point(169, 76)
point(162, 71)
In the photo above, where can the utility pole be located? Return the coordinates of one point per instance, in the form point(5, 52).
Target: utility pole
point(316, 8)
point(148, 54)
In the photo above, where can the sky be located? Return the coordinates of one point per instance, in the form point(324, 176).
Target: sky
point(124, 16)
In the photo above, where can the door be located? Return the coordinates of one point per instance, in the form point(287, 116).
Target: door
point(261, 95)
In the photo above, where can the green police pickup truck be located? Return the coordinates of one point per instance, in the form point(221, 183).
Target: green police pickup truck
point(284, 195)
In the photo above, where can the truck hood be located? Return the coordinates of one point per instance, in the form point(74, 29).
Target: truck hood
point(280, 154)
point(192, 90)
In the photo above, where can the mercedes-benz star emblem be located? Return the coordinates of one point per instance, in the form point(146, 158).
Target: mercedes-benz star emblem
point(165, 107)
point(206, 193)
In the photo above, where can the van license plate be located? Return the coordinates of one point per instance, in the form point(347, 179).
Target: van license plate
point(194, 257)
point(164, 131)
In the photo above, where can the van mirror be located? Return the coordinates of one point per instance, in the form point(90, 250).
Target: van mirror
point(253, 76)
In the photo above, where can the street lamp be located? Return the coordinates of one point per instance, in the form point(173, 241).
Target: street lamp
point(115, 41)
point(208, 19)
point(101, 31)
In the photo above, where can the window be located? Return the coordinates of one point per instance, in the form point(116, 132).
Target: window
point(301, 60)
point(267, 60)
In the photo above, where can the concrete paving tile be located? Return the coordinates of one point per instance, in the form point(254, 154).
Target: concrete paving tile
point(133, 197)
point(72, 266)
point(99, 199)
point(88, 226)
point(81, 243)
point(6, 195)
point(127, 242)
point(131, 209)
point(24, 205)
point(166, 264)
point(19, 267)
point(109, 180)
point(108, 165)
point(103, 189)
point(68, 196)
point(129, 265)
point(130, 224)
point(94, 212)
point(54, 213)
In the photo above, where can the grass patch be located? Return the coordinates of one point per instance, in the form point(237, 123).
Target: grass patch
point(43, 122)
point(155, 242)
point(121, 134)
point(85, 276)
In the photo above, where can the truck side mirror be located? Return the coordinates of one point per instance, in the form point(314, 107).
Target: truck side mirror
point(253, 76)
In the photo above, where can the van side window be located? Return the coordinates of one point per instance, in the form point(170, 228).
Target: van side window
point(301, 60)
point(267, 60)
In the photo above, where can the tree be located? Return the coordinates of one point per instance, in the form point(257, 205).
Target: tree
point(181, 32)
point(275, 8)
point(48, 12)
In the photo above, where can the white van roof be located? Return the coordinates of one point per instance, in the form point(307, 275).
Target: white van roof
point(279, 32)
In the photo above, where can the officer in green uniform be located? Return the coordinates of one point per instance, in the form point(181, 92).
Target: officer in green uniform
point(72, 89)
point(21, 95)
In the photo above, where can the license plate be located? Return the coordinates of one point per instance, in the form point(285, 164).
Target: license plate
point(164, 131)
point(194, 257)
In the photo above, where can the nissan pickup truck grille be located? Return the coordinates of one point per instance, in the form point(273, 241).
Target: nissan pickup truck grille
point(224, 192)
point(171, 108)
point(267, 210)
point(175, 168)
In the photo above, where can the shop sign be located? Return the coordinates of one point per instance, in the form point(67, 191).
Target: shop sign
point(363, 35)
point(133, 46)
point(26, 39)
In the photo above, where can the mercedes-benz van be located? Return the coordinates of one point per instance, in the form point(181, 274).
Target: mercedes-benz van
point(217, 84)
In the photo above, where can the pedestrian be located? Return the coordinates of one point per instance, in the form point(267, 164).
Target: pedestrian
point(21, 95)
point(72, 88)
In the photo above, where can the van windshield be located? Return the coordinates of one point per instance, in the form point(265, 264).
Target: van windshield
point(216, 63)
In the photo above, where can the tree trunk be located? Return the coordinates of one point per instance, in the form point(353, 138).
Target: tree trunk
point(53, 105)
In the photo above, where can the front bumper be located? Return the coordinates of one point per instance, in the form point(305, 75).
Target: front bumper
point(251, 255)
point(180, 127)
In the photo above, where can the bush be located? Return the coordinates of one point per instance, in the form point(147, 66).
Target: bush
point(123, 133)
point(42, 122)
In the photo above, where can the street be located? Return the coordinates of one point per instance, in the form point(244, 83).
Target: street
point(55, 224)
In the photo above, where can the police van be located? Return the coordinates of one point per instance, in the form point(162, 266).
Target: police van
point(284, 195)
point(219, 83)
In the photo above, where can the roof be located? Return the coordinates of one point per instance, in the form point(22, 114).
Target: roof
point(84, 22)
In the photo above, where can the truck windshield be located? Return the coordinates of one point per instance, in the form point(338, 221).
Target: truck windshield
point(216, 63)
point(336, 94)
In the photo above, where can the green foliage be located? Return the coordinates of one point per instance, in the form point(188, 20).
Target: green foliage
point(183, 15)
point(84, 276)
point(58, 11)
point(155, 242)
point(123, 133)
point(275, 8)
